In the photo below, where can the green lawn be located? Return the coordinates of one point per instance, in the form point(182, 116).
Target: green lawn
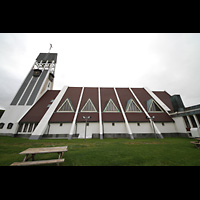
point(107, 152)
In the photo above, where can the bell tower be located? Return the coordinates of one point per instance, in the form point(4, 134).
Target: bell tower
point(39, 79)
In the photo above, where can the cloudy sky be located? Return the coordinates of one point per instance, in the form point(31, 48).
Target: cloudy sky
point(159, 61)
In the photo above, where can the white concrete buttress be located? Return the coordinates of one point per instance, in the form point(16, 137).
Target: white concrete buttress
point(164, 106)
point(43, 124)
point(100, 115)
point(124, 115)
point(75, 116)
point(153, 125)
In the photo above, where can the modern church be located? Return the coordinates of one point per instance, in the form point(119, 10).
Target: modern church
point(37, 111)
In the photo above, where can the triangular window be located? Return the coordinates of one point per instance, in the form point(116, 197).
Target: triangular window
point(66, 106)
point(132, 106)
point(152, 106)
point(111, 107)
point(89, 107)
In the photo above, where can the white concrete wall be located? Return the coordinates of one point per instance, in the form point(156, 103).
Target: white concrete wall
point(144, 127)
point(168, 127)
point(119, 127)
point(12, 115)
point(92, 128)
point(56, 128)
point(180, 124)
point(108, 128)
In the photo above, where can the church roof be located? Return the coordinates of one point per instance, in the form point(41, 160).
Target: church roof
point(110, 108)
point(36, 113)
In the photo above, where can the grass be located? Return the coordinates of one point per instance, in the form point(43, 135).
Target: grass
point(107, 152)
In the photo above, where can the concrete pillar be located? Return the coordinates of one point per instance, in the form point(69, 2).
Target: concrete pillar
point(75, 116)
point(124, 115)
point(100, 115)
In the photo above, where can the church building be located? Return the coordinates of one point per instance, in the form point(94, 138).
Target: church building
point(37, 111)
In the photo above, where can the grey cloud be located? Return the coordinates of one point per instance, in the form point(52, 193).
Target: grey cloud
point(159, 61)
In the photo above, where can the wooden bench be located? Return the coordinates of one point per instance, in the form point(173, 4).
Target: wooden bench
point(31, 152)
point(197, 144)
point(39, 162)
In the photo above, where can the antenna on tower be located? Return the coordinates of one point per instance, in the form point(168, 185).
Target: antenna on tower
point(50, 47)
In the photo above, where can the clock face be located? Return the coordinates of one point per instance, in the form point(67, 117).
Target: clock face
point(37, 72)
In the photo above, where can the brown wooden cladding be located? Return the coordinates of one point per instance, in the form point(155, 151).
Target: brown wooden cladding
point(143, 97)
point(73, 94)
point(124, 95)
point(89, 93)
point(106, 95)
point(165, 98)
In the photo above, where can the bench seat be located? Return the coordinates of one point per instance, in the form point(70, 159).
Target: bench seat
point(39, 162)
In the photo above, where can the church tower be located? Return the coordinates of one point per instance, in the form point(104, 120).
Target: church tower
point(39, 79)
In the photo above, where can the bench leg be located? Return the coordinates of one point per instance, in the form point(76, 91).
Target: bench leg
point(60, 155)
point(26, 158)
point(197, 146)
